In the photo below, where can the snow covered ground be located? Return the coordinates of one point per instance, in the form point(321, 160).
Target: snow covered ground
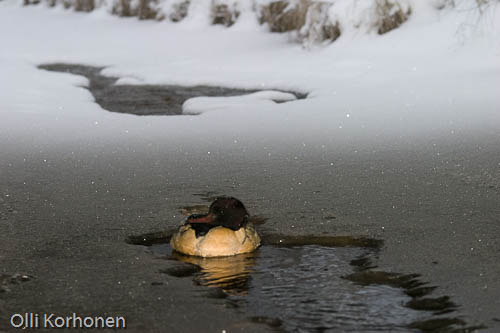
point(438, 73)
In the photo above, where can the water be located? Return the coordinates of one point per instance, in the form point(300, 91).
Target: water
point(302, 289)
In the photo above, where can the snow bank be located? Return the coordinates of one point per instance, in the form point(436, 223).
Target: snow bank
point(307, 21)
point(200, 105)
point(421, 80)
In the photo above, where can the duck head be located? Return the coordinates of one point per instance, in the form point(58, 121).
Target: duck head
point(228, 212)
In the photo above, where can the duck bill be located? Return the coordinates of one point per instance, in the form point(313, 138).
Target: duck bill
point(199, 218)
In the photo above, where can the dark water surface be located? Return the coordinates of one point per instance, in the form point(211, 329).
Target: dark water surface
point(301, 288)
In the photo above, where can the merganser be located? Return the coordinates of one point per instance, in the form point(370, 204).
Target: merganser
point(224, 231)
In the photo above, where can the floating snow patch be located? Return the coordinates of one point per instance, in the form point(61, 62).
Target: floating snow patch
point(199, 105)
point(129, 81)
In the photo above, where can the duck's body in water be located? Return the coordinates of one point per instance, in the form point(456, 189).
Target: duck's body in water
point(224, 231)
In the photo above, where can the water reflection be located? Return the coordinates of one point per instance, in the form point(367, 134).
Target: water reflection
point(231, 274)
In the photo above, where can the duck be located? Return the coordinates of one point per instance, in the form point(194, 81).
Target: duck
point(223, 231)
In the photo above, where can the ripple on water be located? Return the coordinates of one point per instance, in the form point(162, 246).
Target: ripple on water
point(302, 289)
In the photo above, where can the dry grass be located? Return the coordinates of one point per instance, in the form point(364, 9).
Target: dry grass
point(31, 2)
point(143, 9)
point(224, 14)
point(318, 26)
point(122, 8)
point(391, 15)
point(147, 9)
point(331, 31)
point(84, 5)
point(308, 18)
point(283, 16)
point(179, 11)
